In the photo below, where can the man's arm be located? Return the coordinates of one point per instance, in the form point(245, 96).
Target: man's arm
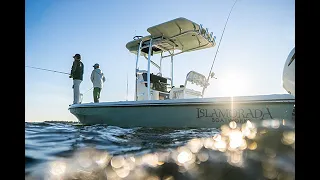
point(92, 76)
point(82, 68)
point(73, 68)
point(103, 78)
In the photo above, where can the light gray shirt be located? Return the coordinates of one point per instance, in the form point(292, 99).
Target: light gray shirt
point(97, 78)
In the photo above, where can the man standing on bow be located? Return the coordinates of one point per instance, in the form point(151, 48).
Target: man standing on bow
point(97, 79)
point(77, 75)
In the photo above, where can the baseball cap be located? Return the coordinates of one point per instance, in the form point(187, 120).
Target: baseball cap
point(77, 56)
point(96, 64)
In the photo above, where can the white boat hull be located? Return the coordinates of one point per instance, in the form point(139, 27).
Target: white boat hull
point(288, 77)
point(204, 112)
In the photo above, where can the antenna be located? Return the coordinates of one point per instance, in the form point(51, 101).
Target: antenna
point(127, 88)
point(218, 48)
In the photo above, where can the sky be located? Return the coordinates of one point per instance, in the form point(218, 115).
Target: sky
point(256, 42)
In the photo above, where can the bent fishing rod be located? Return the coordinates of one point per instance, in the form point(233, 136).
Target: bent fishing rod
point(207, 81)
point(48, 70)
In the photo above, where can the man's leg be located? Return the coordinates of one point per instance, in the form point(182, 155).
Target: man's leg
point(98, 94)
point(76, 91)
point(95, 94)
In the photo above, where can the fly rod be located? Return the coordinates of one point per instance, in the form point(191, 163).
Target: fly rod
point(218, 48)
point(47, 70)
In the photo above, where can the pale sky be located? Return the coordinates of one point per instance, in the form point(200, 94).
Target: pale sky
point(258, 38)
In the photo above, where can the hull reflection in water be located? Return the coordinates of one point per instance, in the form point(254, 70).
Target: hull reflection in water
point(246, 151)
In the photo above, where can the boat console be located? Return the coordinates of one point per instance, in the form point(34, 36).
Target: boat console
point(159, 88)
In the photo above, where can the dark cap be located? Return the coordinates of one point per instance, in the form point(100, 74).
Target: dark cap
point(77, 56)
point(96, 65)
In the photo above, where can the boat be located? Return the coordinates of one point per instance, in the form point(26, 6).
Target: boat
point(158, 103)
point(288, 76)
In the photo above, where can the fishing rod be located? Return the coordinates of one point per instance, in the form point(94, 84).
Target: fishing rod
point(81, 94)
point(47, 70)
point(210, 73)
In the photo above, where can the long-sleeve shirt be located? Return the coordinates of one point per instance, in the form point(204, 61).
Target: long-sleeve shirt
point(97, 78)
point(77, 70)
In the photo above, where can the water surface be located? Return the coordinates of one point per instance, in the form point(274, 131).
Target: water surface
point(69, 150)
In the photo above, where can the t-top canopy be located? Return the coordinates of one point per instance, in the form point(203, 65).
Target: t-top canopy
point(178, 34)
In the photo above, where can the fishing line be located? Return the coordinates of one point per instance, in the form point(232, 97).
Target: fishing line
point(88, 90)
point(214, 59)
point(47, 70)
point(81, 94)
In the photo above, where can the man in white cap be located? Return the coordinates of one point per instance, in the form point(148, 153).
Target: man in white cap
point(97, 79)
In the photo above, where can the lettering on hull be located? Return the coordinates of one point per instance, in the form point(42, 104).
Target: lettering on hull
point(237, 115)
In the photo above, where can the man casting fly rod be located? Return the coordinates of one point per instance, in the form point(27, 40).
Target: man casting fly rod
point(76, 74)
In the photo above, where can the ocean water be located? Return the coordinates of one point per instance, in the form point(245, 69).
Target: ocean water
point(69, 150)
